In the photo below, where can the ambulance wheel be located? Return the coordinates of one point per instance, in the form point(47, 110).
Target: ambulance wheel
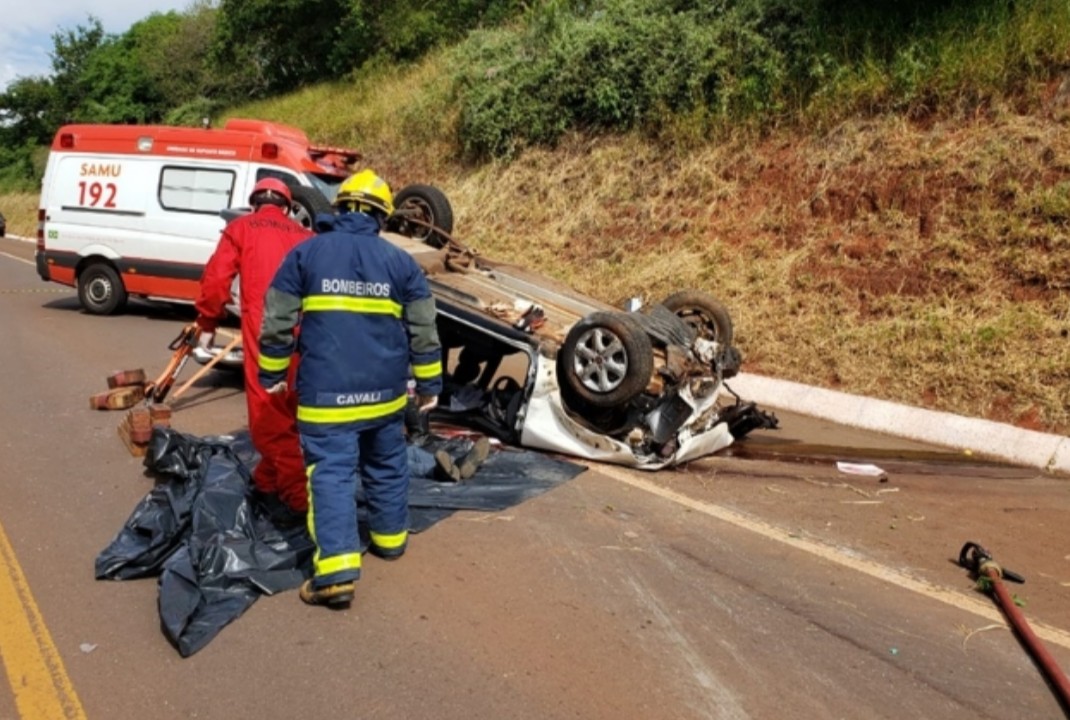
point(307, 203)
point(420, 210)
point(100, 289)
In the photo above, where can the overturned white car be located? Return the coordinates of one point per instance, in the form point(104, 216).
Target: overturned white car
point(539, 365)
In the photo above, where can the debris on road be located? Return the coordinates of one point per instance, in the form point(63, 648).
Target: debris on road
point(119, 398)
point(128, 388)
point(124, 378)
point(968, 633)
point(135, 429)
point(865, 469)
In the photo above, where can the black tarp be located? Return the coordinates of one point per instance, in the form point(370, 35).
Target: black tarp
point(216, 552)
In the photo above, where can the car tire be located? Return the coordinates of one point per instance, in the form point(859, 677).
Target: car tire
point(101, 290)
point(307, 204)
point(606, 359)
point(705, 314)
point(418, 206)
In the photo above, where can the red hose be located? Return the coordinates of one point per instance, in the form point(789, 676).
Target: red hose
point(1032, 642)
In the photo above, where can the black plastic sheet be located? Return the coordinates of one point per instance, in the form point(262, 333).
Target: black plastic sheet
point(216, 552)
point(508, 477)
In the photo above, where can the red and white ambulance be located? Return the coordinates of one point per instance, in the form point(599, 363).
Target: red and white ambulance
point(134, 210)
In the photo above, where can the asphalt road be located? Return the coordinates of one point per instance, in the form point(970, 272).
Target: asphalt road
point(761, 584)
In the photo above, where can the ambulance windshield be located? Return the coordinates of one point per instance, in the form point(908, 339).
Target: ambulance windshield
point(326, 184)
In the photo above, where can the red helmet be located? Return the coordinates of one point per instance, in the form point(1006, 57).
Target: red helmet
point(270, 185)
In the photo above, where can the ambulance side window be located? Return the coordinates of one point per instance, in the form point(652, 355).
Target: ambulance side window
point(195, 190)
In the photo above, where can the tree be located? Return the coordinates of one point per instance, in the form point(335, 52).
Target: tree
point(408, 29)
point(175, 50)
point(70, 56)
point(277, 45)
point(117, 86)
point(27, 110)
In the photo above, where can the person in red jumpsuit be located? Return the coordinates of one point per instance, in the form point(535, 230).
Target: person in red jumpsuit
point(253, 247)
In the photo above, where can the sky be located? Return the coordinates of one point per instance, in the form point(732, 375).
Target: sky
point(27, 28)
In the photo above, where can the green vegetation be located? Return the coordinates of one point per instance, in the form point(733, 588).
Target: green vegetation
point(879, 191)
point(708, 67)
point(523, 74)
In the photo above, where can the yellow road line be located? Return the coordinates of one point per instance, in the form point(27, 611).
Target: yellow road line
point(34, 668)
point(867, 567)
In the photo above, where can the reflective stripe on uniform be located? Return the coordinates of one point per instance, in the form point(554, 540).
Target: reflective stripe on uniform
point(310, 517)
point(336, 564)
point(273, 364)
point(427, 370)
point(369, 306)
point(350, 414)
point(390, 542)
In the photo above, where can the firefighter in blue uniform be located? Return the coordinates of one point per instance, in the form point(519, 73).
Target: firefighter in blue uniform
point(367, 323)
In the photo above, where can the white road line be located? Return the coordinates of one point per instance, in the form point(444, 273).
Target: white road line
point(15, 257)
point(832, 554)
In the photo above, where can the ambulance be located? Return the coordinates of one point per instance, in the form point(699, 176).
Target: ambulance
point(137, 210)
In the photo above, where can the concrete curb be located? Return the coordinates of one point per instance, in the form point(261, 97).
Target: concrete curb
point(984, 437)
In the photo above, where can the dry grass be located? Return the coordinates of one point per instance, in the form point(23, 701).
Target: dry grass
point(399, 119)
point(20, 211)
point(921, 265)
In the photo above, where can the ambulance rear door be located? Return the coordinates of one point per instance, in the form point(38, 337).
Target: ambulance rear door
point(94, 206)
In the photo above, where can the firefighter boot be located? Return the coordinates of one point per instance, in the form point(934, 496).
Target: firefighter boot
point(333, 596)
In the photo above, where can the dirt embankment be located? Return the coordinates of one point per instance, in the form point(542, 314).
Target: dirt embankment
point(924, 263)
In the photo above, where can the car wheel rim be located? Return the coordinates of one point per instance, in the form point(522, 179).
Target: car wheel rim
point(600, 361)
point(301, 215)
point(98, 291)
point(420, 232)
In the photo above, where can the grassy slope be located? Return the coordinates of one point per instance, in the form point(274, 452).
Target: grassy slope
point(881, 259)
point(925, 264)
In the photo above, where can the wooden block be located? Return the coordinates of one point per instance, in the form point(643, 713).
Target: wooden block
point(140, 418)
point(138, 425)
point(136, 449)
point(119, 398)
point(124, 378)
point(160, 414)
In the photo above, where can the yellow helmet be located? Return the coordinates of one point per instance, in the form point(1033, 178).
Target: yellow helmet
point(365, 191)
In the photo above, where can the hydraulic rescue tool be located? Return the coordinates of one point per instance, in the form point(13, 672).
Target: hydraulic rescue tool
point(181, 347)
